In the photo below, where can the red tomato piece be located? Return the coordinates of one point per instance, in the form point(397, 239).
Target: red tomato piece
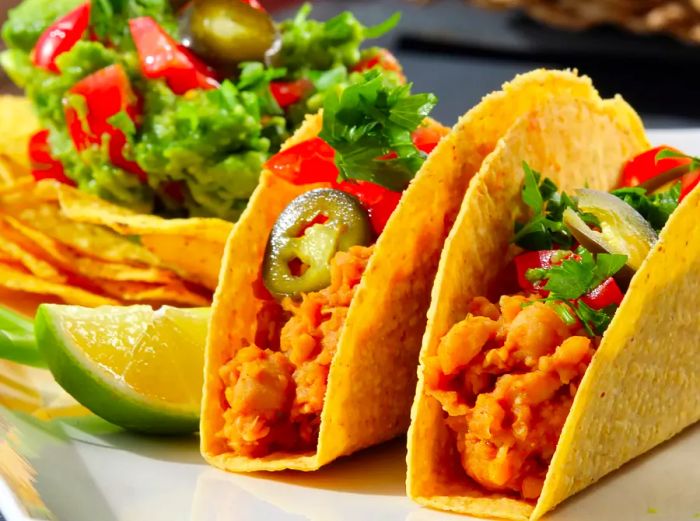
point(426, 138)
point(380, 58)
point(606, 294)
point(43, 164)
point(288, 93)
point(310, 161)
point(60, 37)
point(161, 56)
point(532, 260)
point(106, 92)
point(644, 166)
point(688, 182)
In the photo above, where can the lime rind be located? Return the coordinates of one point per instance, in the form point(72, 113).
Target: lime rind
point(100, 390)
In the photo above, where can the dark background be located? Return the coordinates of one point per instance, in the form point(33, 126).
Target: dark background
point(460, 53)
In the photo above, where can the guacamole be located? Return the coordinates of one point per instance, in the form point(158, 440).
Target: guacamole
point(136, 117)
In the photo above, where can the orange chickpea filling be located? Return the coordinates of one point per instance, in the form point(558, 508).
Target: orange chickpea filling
point(506, 377)
point(275, 391)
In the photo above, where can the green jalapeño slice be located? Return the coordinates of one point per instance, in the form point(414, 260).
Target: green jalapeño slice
point(307, 234)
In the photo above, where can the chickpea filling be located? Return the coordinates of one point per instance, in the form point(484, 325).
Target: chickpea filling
point(275, 391)
point(506, 377)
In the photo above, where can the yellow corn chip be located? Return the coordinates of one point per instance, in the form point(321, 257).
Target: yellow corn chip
point(80, 206)
point(174, 293)
point(14, 279)
point(32, 263)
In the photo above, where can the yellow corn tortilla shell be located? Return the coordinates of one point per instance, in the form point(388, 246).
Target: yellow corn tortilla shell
point(576, 143)
point(80, 206)
point(379, 344)
point(14, 279)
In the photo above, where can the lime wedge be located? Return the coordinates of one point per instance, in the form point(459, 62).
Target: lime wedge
point(135, 367)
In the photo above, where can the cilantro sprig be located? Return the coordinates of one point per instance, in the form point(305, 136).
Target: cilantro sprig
point(574, 274)
point(655, 208)
point(577, 276)
point(371, 119)
point(545, 228)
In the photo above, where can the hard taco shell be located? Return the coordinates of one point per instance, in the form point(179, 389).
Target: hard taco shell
point(373, 373)
point(638, 390)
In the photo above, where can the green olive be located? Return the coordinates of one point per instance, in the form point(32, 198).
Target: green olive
point(228, 32)
point(623, 229)
point(296, 242)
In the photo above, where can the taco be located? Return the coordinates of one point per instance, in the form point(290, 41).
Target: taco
point(314, 340)
point(559, 344)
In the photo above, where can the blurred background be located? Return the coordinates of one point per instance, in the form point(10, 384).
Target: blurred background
point(642, 49)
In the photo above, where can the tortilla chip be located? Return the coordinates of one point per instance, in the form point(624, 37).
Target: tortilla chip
point(34, 264)
point(386, 319)
point(198, 260)
point(68, 260)
point(575, 143)
point(175, 293)
point(89, 239)
point(14, 279)
point(83, 207)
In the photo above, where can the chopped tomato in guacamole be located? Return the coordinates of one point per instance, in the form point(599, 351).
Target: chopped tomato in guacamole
point(506, 377)
point(275, 391)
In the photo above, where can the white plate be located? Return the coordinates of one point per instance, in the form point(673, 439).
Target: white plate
point(87, 470)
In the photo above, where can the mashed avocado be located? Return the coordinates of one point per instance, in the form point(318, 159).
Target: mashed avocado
point(203, 150)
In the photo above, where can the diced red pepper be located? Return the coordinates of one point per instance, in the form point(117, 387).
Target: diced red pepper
point(161, 56)
point(288, 93)
point(532, 260)
point(106, 92)
point(43, 164)
point(60, 37)
point(313, 161)
point(426, 138)
point(380, 58)
point(606, 294)
point(645, 166)
point(688, 182)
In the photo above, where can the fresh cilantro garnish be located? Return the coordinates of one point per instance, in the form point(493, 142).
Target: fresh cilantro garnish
point(370, 120)
point(545, 229)
point(581, 273)
point(655, 208)
point(576, 276)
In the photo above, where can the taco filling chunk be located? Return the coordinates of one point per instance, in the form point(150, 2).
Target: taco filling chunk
point(506, 374)
point(174, 111)
point(318, 249)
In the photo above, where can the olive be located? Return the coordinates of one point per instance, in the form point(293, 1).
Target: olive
point(227, 32)
point(306, 236)
point(623, 229)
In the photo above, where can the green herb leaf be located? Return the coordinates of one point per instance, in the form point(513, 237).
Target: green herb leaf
point(531, 190)
point(384, 27)
point(655, 208)
point(370, 119)
point(668, 153)
point(545, 229)
point(17, 342)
